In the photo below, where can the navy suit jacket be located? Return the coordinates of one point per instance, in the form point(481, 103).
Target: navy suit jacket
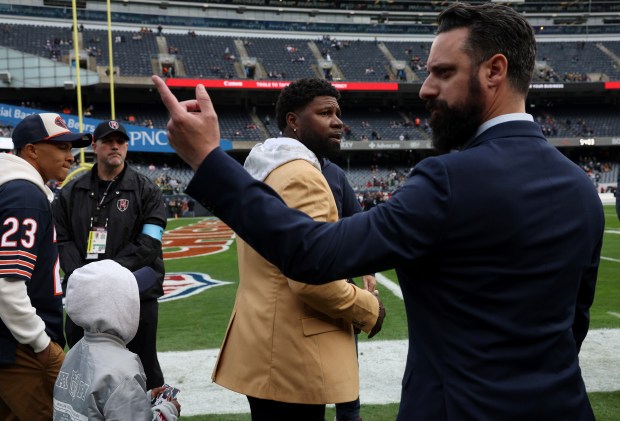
point(496, 248)
point(344, 196)
point(618, 197)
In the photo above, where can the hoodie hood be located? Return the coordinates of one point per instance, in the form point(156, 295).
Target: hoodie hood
point(275, 152)
point(103, 297)
point(16, 168)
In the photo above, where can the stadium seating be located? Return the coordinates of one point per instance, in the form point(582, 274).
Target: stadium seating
point(568, 121)
point(415, 54)
point(378, 124)
point(574, 61)
point(205, 54)
point(239, 125)
point(132, 55)
point(218, 57)
point(414, 17)
point(205, 57)
point(50, 42)
point(431, 6)
point(357, 60)
point(282, 58)
point(389, 124)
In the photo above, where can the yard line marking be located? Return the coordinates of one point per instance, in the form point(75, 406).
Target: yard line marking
point(395, 288)
point(389, 284)
point(613, 313)
point(379, 383)
point(612, 231)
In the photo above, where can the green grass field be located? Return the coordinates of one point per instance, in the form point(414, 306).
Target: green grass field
point(199, 322)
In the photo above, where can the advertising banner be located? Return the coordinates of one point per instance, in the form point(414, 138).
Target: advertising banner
point(141, 139)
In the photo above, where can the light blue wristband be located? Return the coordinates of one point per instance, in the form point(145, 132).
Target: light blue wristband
point(154, 231)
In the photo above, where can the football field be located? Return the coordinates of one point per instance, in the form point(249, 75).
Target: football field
point(200, 258)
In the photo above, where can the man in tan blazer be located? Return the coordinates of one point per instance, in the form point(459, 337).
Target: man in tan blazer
point(290, 346)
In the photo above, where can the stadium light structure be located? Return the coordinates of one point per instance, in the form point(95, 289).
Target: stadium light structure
point(111, 59)
point(84, 166)
point(76, 63)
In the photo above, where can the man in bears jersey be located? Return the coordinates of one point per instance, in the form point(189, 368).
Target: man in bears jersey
point(31, 334)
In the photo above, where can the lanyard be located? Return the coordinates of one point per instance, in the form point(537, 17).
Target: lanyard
point(94, 220)
point(105, 193)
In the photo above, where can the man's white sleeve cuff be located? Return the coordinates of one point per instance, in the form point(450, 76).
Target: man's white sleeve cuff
point(19, 316)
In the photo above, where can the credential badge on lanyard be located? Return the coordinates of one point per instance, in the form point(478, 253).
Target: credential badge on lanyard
point(97, 238)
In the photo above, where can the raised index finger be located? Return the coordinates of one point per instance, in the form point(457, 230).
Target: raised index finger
point(167, 97)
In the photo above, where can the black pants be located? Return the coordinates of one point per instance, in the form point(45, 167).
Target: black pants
point(266, 410)
point(144, 343)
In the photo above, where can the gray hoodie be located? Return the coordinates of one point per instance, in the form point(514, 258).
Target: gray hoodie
point(275, 152)
point(100, 378)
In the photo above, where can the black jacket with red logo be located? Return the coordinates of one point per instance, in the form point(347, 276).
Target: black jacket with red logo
point(131, 202)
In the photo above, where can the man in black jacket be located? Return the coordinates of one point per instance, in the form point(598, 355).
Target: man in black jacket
point(115, 213)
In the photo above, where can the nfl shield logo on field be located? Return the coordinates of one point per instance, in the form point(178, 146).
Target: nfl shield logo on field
point(122, 204)
point(185, 284)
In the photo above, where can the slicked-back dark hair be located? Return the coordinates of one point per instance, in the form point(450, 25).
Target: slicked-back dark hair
point(298, 94)
point(495, 29)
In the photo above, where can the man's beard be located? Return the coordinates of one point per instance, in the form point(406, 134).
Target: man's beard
point(332, 150)
point(324, 149)
point(454, 126)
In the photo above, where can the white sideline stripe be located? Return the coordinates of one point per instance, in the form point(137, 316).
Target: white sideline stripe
point(612, 231)
point(610, 259)
point(389, 284)
point(382, 364)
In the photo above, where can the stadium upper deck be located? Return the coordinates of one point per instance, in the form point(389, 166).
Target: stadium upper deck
point(242, 47)
point(432, 6)
point(144, 51)
point(393, 18)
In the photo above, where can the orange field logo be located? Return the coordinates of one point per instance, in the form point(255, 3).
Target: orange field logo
point(208, 236)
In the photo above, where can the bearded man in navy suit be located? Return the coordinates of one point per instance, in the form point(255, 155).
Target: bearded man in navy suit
point(618, 197)
point(496, 245)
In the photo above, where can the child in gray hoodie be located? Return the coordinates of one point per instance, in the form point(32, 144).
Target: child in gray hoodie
point(100, 378)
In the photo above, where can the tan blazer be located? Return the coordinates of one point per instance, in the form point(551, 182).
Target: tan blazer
point(288, 341)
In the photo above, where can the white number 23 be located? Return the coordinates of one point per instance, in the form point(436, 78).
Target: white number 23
point(30, 232)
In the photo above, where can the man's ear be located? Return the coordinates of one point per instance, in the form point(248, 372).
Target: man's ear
point(291, 120)
point(31, 151)
point(495, 70)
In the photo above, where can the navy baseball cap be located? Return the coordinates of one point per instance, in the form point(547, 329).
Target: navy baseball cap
point(48, 127)
point(108, 127)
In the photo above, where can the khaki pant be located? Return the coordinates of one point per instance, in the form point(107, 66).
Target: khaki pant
point(27, 386)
